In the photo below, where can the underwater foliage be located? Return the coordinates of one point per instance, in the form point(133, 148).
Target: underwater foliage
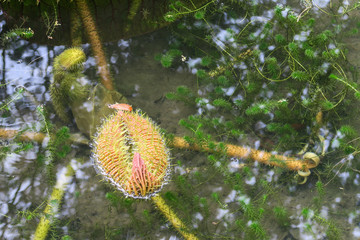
point(15, 33)
point(270, 78)
point(275, 78)
point(300, 79)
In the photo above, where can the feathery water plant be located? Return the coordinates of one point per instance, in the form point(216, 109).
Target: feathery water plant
point(232, 110)
point(318, 200)
point(13, 34)
point(281, 216)
point(167, 58)
point(288, 87)
point(301, 65)
point(4, 105)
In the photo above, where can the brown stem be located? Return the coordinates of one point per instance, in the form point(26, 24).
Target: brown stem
point(37, 137)
point(95, 43)
point(75, 30)
point(178, 142)
point(26, 136)
point(247, 152)
point(173, 218)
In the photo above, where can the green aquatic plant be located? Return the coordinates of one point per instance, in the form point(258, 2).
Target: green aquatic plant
point(70, 60)
point(48, 219)
point(114, 198)
point(179, 9)
point(11, 35)
point(4, 104)
point(332, 231)
point(50, 19)
point(54, 149)
point(318, 200)
point(29, 215)
point(134, 9)
point(302, 60)
point(66, 237)
point(281, 216)
point(96, 44)
point(349, 142)
point(225, 116)
point(182, 93)
point(257, 231)
point(57, 147)
point(167, 58)
point(285, 74)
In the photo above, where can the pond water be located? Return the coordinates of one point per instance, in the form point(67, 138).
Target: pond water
point(209, 198)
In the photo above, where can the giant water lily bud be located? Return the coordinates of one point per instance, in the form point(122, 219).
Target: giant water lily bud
point(130, 152)
point(69, 84)
point(71, 59)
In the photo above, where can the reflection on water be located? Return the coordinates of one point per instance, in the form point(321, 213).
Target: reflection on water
point(92, 209)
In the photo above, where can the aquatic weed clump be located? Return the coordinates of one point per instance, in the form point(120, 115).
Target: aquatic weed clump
point(276, 74)
point(15, 33)
point(275, 79)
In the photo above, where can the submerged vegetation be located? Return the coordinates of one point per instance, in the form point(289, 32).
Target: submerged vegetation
point(285, 75)
point(283, 81)
point(9, 36)
point(275, 78)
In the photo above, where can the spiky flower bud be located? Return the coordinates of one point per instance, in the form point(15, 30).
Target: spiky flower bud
point(131, 153)
point(68, 85)
point(71, 59)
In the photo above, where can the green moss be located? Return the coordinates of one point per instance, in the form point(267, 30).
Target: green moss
point(222, 103)
point(223, 81)
point(199, 14)
point(166, 60)
point(327, 105)
point(310, 53)
point(279, 38)
point(281, 216)
point(201, 73)
point(300, 75)
point(206, 61)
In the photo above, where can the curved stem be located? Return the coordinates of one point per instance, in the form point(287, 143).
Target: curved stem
point(247, 152)
point(53, 204)
point(95, 43)
point(178, 142)
point(171, 216)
